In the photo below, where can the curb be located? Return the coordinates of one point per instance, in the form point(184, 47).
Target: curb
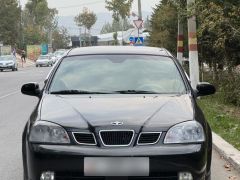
point(229, 153)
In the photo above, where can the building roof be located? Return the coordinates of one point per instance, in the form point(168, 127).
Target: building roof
point(125, 35)
point(119, 50)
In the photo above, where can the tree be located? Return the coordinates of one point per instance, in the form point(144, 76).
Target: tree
point(33, 35)
point(219, 32)
point(107, 28)
point(87, 19)
point(116, 26)
point(120, 8)
point(147, 24)
point(9, 22)
point(61, 38)
point(40, 14)
point(39, 21)
point(164, 26)
point(115, 37)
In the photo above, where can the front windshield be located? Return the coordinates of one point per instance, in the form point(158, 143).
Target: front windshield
point(112, 73)
point(59, 53)
point(44, 57)
point(6, 58)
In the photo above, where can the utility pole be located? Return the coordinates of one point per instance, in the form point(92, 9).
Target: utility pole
point(50, 45)
point(139, 17)
point(180, 41)
point(80, 39)
point(122, 32)
point(139, 10)
point(21, 26)
point(193, 49)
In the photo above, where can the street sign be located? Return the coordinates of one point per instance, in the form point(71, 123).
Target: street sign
point(139, 41)
point(138, 23)
point(131, 39)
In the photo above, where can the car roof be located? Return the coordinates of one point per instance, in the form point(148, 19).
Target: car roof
point(118, 50)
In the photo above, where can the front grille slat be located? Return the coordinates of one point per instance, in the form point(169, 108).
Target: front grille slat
point(149, 138)
point(116, 137)
point(84, 138)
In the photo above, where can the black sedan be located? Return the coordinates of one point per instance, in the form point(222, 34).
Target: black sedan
point(117, 113)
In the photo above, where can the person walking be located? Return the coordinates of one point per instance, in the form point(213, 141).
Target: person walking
point(14, 52)
point(23, 57)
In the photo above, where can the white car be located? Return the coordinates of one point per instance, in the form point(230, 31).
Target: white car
point(8, 62)
point(58, 55)
point(44, 60)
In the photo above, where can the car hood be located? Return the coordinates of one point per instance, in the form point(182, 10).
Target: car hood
point(99, 111)
point(43, 60)
point(8, 61)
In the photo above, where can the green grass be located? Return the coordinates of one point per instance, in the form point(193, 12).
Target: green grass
point(223, 119)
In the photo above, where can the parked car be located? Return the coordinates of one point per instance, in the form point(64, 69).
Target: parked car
point(8, 62)
point(58, 55)
point(44, 60)
point(117, 111)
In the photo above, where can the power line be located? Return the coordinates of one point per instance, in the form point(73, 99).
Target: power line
point(84, 4)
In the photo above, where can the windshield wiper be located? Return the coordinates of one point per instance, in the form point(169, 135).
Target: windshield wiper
point(136, 92)
point(77, 92)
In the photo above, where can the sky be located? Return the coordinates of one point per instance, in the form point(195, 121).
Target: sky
point(73, 7)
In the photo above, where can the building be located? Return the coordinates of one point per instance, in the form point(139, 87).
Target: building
point(84, 41)
point(122, 37)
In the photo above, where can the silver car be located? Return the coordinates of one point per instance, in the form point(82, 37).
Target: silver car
point(8, 62)
point(44, 60)
point(58, 55)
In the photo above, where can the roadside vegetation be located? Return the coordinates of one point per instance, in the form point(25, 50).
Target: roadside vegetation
point(224, 119)
point(218, 32)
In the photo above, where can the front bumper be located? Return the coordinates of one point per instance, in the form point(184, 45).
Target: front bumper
point(7, 67)
point(43, 63)
point(68, 161)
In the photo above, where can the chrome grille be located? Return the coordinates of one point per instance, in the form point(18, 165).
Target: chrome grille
point(149, 138)
point(84, 138)
point(116, 137)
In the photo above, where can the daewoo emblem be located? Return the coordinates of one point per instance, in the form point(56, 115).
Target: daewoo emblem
point(117, 123)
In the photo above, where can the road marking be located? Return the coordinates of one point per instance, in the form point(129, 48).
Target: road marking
point(7, 95)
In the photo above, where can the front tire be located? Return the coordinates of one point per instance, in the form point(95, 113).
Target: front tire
point(208, 176)
point(24, 153)
point(209, 158)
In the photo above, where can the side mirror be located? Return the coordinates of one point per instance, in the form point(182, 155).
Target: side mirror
point(204, 89)
point(31, 89)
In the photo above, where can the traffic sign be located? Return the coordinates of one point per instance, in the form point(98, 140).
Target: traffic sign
point(138, 23)
point(131, 39)
point(139, 41)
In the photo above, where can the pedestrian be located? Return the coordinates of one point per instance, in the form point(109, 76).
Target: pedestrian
point(23, 57)
point(14, 52)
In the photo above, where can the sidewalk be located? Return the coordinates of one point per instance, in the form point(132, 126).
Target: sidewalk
point(229, 153)
point(28, 63)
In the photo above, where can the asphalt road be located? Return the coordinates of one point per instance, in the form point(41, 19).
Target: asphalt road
point(15, 109)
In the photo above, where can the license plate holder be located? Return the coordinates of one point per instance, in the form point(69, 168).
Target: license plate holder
point(116, 166)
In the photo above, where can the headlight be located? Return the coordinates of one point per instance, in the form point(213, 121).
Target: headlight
point(11, 63)
point(46, 132)
point(186, 132)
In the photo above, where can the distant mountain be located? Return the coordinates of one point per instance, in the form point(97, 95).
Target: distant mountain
point(102, 18)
